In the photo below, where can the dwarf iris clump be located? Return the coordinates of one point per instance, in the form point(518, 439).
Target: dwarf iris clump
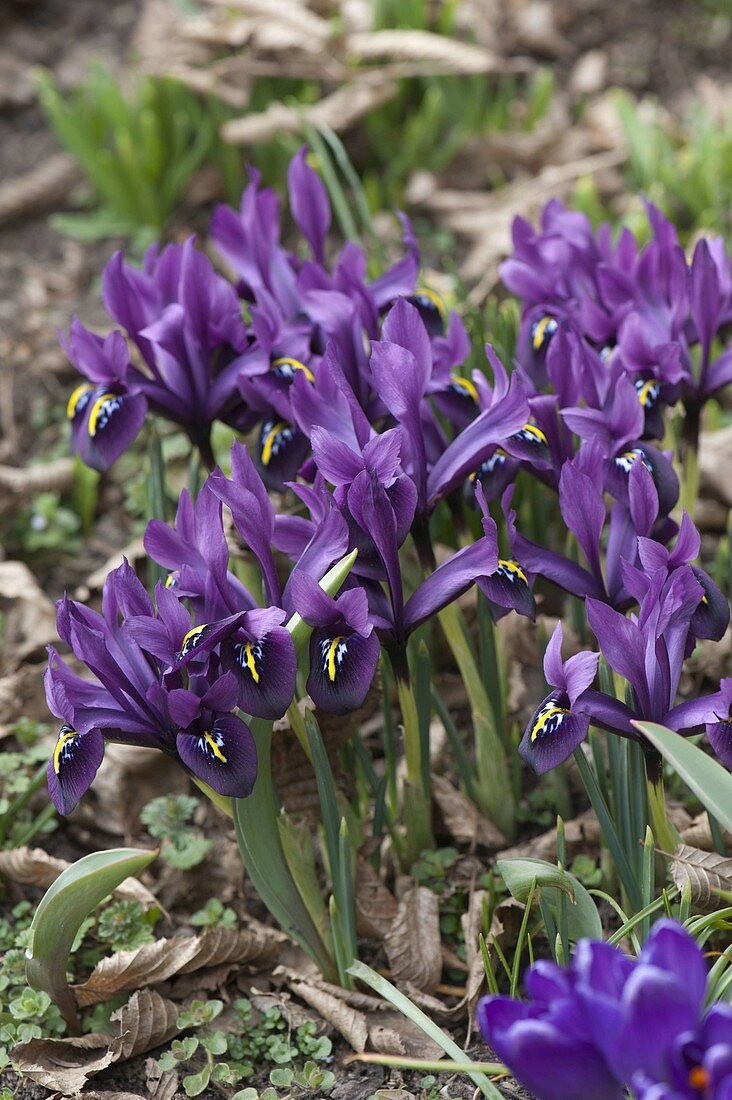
point(378, 483)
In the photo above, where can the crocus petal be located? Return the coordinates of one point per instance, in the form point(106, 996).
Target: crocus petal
point(342, 668)
point(266, 669)
point(223, 756)
point(71, 769)
point(551, 1064)
point(553, 733)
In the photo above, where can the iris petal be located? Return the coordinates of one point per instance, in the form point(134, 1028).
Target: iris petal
point(223, 755)
point(711, 618)
point(508, 589)
point(342, 667)
point(281, 452)
point(265, 669)
point(553, 733)
point(71, 769)
point(104, 424)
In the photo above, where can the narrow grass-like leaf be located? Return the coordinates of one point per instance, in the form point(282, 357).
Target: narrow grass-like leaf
point(391, 994)
point(62, 909)
point(709, 781)
point(609, 832)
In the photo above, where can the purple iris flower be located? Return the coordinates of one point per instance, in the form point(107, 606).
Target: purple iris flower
point(608, 1022)
point(618, 428)
point(344, 649)
point(504, 411)
point(186, 323)
point(647, 650)
point(104, 413)
point(719, 726)
point(583, 508)
point(151, 688)
point(256, 648)
point(593, 310)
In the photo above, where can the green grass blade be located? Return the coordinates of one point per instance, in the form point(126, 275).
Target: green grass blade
point(391, 994)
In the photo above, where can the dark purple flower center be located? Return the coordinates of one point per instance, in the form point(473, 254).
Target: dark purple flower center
point(551, 716)
point(542, 331)
point(66, 746)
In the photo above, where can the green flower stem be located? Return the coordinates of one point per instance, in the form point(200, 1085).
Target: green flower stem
point(417, 810)
point(260, 844)
point(493, 786)
point(665, 833)
point(297, 725)
point(690, 427)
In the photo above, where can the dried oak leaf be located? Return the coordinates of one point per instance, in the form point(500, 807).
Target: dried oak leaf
point(462, 817)
point(156, 962)
point(145, 1022)
point(413, 942)
point(34, 867)
point(376, 906)
point(704, 871)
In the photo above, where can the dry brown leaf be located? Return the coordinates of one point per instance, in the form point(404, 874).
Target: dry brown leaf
point(705, 872)
point(446, 54)
point(25, 481)
point(21, 696)
point(30, 617)
point(462, 817)
point(34, 867)
point(156, 962)
point(582, 834)
point(472, 925)
point(339, 111)
point(161, 1084)
point(95, 1094)
point(413, 941)
point(392, 1033)
point(348, 1021)
point(376, 906)
point(698, 834)
point(715, 465)
point(145, 1022)
point(43, 187)
point(63, 1064)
